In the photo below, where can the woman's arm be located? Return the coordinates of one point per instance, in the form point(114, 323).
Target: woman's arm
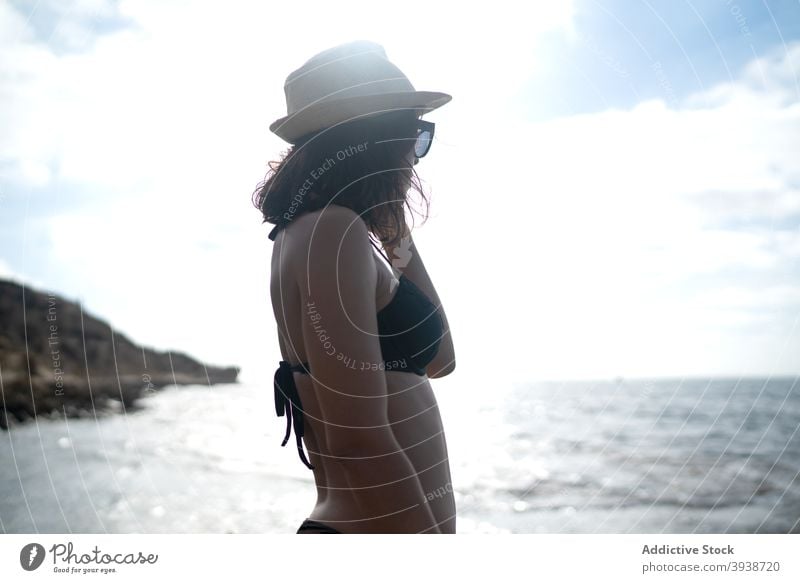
point(406, 258)
point(340, 334)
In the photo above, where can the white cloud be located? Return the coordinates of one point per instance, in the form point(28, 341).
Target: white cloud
point(771, 78)
point(568, 248)
point(163, 125)
point(14, 29)
point(5, 271)
point(586, 238)
point(189, 88)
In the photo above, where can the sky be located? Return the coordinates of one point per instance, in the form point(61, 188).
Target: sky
point(615, 187)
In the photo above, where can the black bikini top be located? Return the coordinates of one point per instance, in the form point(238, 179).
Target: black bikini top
point(410, 330)
point(409, 327)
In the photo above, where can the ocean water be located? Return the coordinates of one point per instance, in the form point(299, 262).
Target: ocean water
point(623, 456)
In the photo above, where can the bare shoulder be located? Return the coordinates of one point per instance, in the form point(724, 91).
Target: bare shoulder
point(327, 236)
point(332, 219)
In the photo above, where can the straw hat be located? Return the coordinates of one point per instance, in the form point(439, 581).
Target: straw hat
point(345, 82)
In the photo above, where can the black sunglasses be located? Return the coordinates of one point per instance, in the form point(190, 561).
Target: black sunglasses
point(424, 137)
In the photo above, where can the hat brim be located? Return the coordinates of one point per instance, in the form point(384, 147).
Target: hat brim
point(331, 112)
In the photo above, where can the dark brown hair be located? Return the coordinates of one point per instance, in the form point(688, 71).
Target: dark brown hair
point(362, 164)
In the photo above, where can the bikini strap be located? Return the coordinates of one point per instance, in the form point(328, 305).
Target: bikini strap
point(274, 232)
point(287, 402)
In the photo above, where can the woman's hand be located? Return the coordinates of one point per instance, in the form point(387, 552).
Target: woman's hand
point(401, 253)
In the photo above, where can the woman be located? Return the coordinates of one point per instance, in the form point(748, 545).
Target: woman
point(359, 336)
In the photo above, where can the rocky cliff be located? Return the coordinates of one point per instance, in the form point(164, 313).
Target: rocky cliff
point(57, 359)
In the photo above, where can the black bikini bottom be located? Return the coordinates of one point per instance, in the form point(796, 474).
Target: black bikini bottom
point(313, 527)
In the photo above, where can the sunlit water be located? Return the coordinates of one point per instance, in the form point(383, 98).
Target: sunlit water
point(719, 455)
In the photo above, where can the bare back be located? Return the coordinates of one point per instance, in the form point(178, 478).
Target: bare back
point(412, 408)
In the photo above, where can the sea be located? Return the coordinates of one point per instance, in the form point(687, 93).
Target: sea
point(716, 455)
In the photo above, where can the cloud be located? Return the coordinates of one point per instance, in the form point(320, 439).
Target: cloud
point(141, 127)
point(597, 233)
point(771, 78)
point(5, 271)
point(589, 245)
point(168, 94)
